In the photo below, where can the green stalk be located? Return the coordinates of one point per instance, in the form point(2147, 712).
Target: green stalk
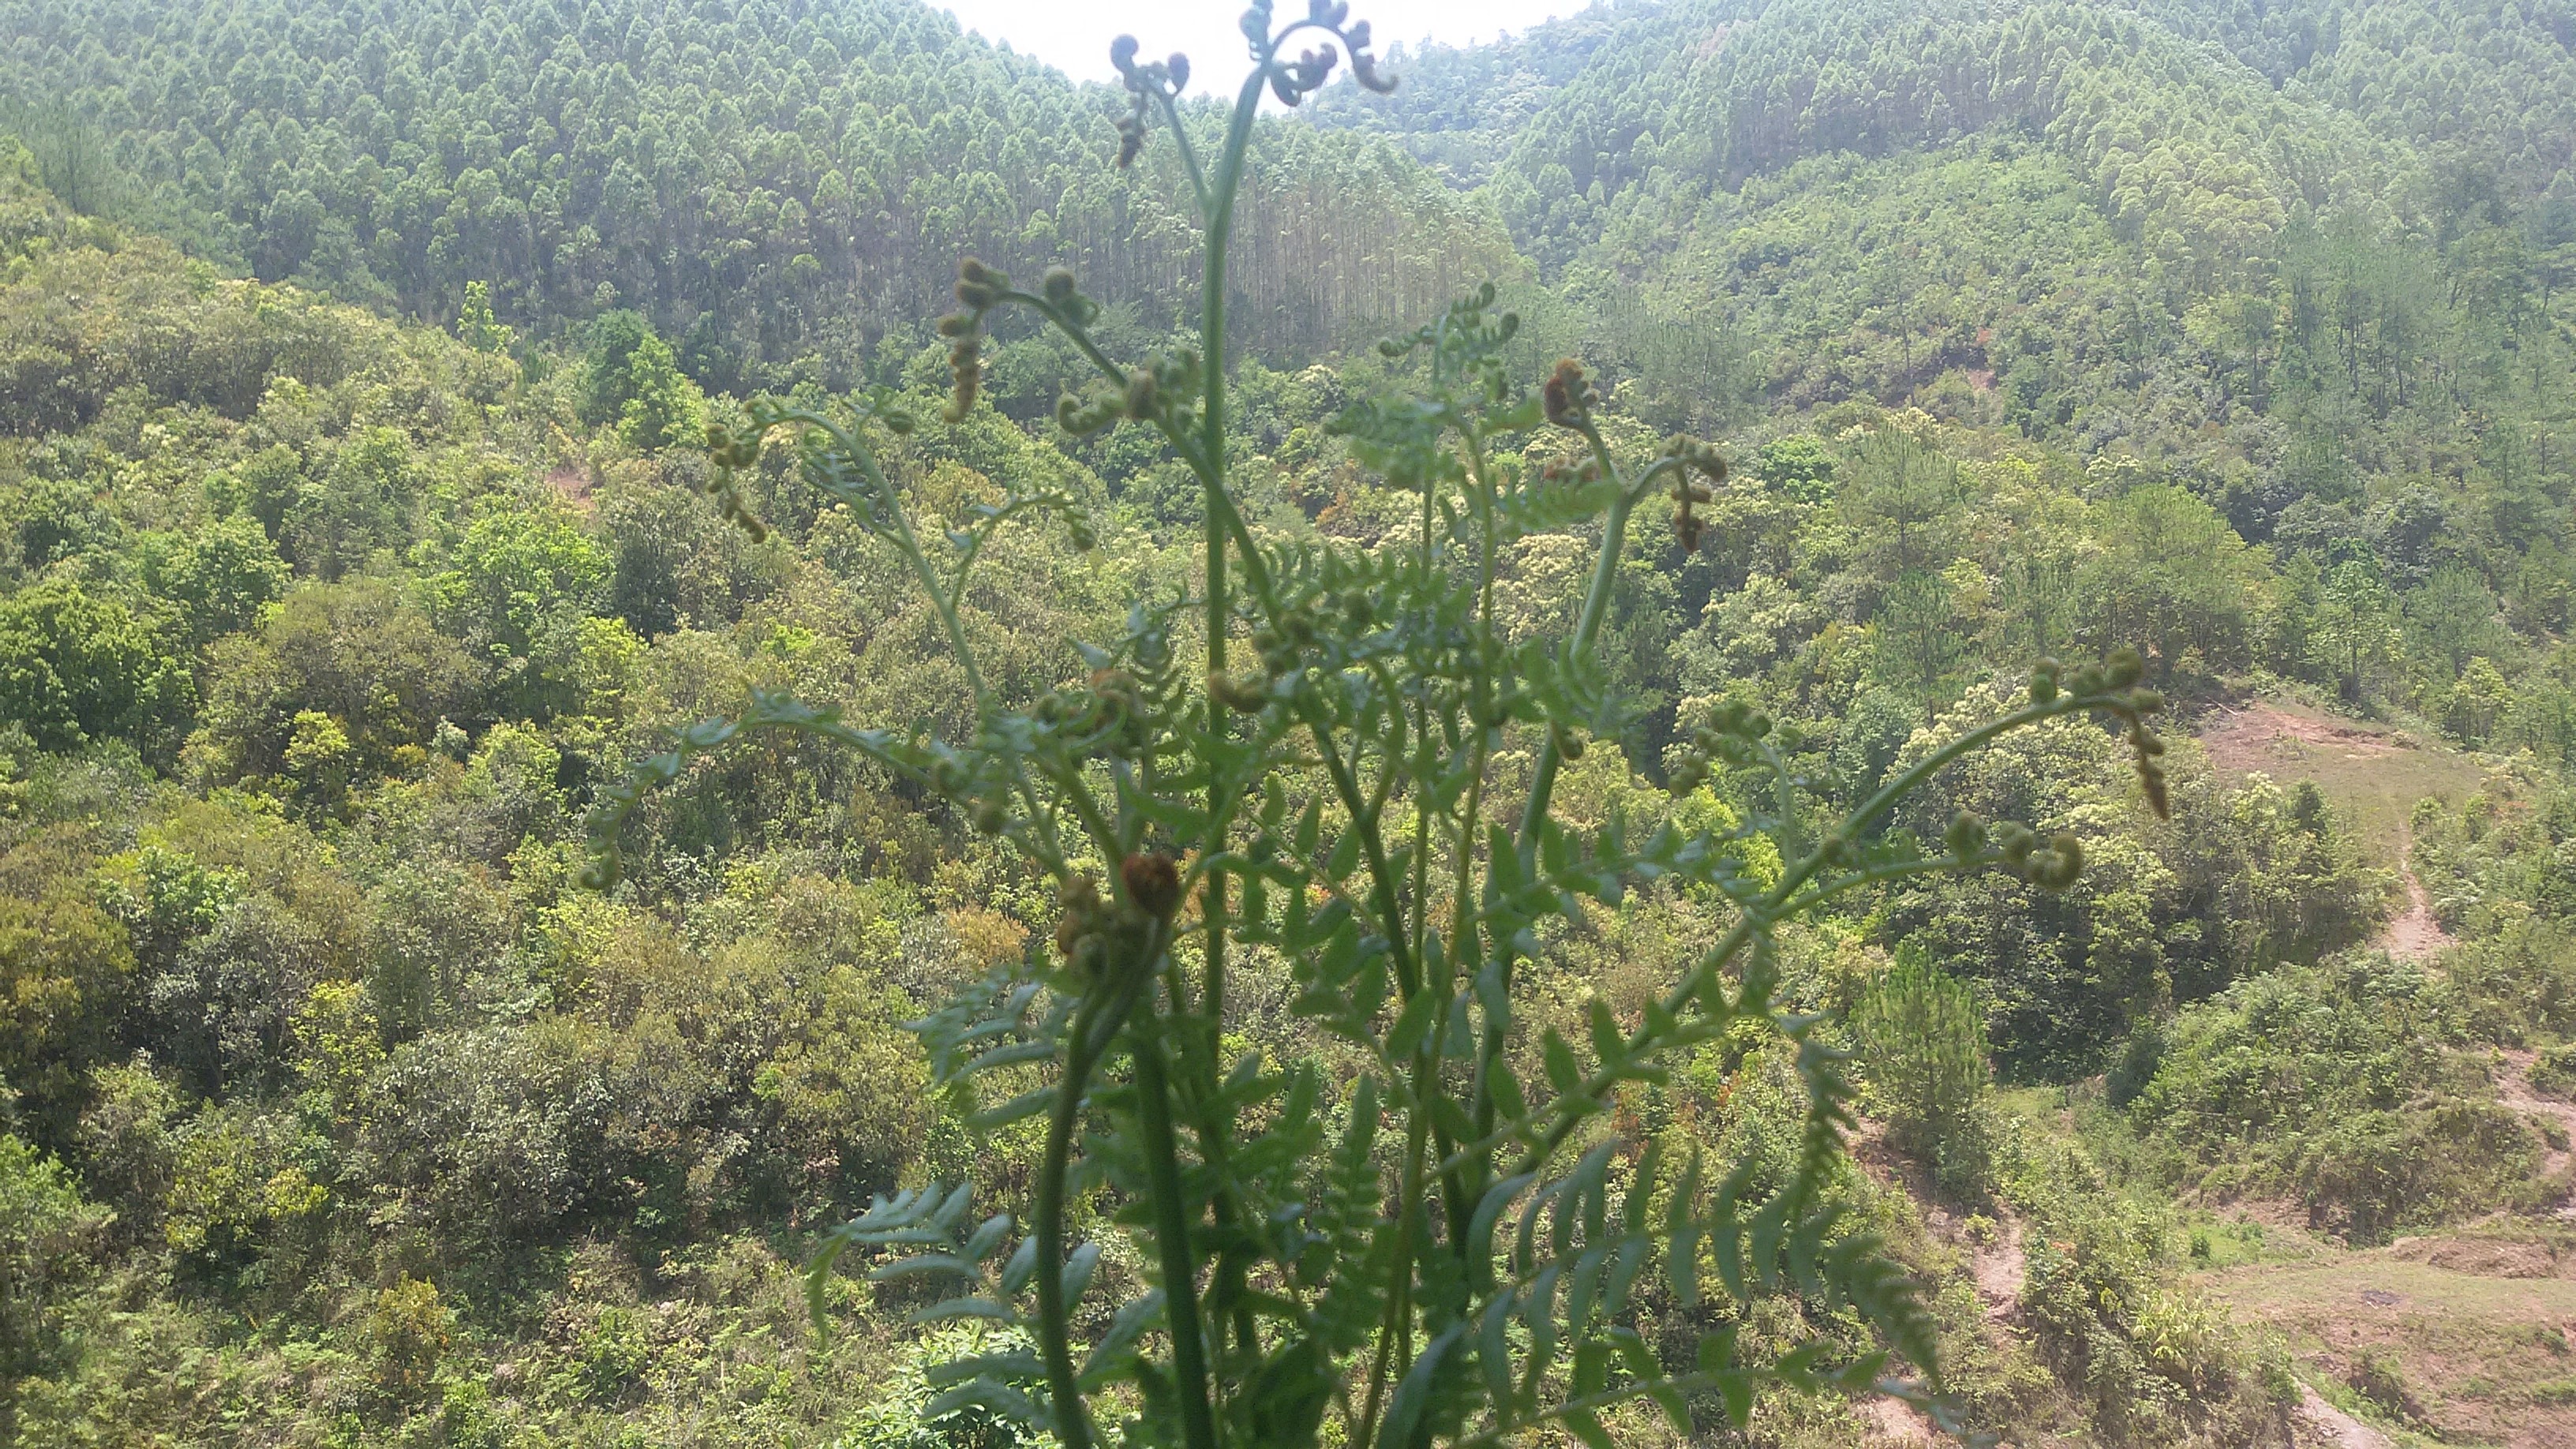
point(1399, 1304)
point(1383, 882)
point(1095, 1025)
point(1421, 924)
point(1172, 1243)
point(1587, 628)
point(1218, 219)
point(1055, 1332)
point(1219, 223)
point(1462, 928)
point(1181, 137)
point(1596, 608)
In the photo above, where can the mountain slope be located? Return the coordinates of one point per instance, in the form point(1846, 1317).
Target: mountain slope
point(2170, 229)
point(772, 183)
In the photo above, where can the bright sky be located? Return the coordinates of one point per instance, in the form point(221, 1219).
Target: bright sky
point(1074, 35)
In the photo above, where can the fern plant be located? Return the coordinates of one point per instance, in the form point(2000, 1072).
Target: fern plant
point(1297, 763)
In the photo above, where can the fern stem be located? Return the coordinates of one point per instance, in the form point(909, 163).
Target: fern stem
point(1587, 628)
point(1055, 1333)
point(1217, 215)
point(1399, 1305)
point(942, 599)
point(1189, 153)
point(1172, 1243)
point(1095, 1024)
point(1596, 608)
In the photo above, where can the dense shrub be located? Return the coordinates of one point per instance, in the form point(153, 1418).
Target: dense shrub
point(50, 1241)
point(2343, 1085)
point(2150, 1360)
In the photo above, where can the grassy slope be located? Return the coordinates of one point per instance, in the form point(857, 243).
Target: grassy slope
point(2467, 1326)
point(2375, 773)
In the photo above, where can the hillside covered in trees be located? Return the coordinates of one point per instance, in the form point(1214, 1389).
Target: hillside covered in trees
point(357, 533)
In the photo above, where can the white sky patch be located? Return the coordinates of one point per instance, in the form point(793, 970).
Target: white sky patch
point(1074, 35)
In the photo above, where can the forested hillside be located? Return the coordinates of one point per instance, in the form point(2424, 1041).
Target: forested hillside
point(777, 186)
point(357, 534)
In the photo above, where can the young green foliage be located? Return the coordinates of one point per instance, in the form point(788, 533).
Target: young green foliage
point(1925, 1042)
point(1431, 1248)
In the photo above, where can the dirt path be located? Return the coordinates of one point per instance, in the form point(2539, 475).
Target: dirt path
point(2413, 935)
point(1997, 1266)
point(1894, 1421)
point(2332, 1428)
point(1999, 1269)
